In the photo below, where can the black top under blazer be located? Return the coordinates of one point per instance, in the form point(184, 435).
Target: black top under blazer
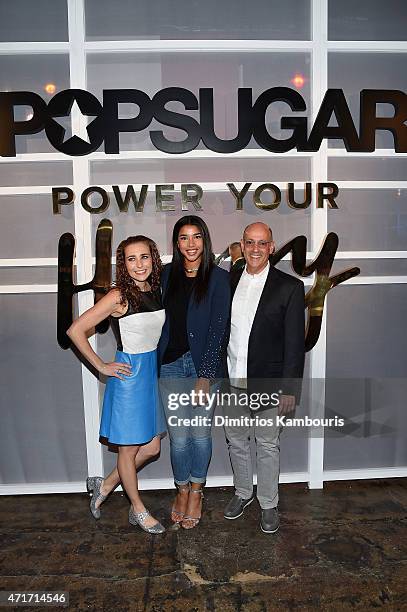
point(277, 338)
point(207, 324)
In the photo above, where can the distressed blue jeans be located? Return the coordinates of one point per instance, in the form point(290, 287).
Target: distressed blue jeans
point(190, 443)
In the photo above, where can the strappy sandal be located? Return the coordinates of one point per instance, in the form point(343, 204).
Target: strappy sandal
point(177, 516)
point(192, 521)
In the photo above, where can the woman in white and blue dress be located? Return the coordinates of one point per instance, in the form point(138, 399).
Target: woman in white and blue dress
point(132, 415)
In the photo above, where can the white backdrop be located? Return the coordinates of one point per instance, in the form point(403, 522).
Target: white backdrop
point(49, 403)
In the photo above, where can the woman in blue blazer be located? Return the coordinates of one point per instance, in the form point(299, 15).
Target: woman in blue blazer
point(196, 295)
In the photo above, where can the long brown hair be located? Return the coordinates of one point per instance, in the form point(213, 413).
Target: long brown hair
point(129, 291)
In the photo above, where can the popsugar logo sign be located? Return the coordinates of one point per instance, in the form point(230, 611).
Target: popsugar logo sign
point(105, 125)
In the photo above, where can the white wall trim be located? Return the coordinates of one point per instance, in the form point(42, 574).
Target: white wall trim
point(319, 229)
point(83, 238)
point(212, 186)
point(365, 474)
point(371, 184)
point(377, 280)
point(371, 255)
point(36, 157)
point(46, 488)
point(372, 46)
point(377, 153)
point(358, 280)
point(197, 46)
point(30, 190)
point(29, 262)
point(28, 289)
point(198, 154)
point(53, 261)
point(262, 46)
point(43, 488)
point(19, 48)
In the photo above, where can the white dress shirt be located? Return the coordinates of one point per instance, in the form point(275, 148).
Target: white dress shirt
point(244, 306)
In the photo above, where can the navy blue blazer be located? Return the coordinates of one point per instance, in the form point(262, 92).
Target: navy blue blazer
point(207, 325)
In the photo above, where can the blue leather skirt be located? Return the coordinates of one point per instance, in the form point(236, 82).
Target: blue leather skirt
point(132, 411)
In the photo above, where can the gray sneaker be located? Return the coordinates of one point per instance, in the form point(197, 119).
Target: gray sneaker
point(236, 506)
point(270, 521)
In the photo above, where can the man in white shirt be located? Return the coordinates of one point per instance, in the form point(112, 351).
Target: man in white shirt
point(265, 352)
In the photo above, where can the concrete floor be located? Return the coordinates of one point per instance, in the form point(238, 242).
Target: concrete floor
point(343, 548)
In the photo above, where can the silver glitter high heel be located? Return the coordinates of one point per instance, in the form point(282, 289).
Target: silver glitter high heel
point(138, 518)
point(176, 516)
point(93, 484)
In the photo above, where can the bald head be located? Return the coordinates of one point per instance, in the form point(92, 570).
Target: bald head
point(257, 245)
point(259, 225)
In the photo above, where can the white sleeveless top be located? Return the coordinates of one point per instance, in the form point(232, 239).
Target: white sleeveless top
point(139, 332)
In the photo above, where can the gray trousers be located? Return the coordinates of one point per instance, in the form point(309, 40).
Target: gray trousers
point(267, 444)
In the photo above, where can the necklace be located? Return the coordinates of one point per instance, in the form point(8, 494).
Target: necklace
point(189, 270)
point(145, 289)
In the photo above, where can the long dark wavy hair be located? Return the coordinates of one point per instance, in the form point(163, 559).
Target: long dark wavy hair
point(129, 291)
point(177, 267)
